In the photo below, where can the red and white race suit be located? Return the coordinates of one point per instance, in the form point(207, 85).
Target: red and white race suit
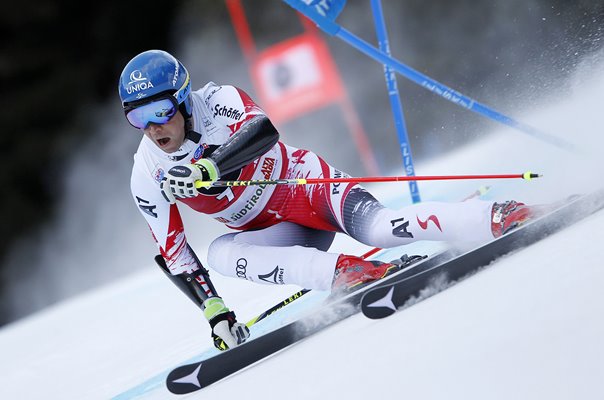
point(286, 229)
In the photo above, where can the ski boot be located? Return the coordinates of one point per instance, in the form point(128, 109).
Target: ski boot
point(509, 215)
point(351, 272)
point(354, 272)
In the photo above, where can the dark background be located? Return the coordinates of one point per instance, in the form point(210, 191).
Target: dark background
point(60, 60)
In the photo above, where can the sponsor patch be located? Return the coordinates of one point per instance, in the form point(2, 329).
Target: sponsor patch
point(267, 167)
point(431, 218)
point(209, 96)
point(241, 268)
point(229, 112)
point(275, 276)
point(158, 174)
point(250, 204)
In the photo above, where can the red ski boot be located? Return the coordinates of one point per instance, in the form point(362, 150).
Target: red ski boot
point(509, 215)
point(353, 271)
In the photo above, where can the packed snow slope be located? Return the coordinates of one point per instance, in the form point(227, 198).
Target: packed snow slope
point(529, 326)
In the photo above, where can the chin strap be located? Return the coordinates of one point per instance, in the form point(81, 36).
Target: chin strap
point(192, 135)
point(189, 132)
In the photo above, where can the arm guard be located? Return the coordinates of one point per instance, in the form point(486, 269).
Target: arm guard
point(252, 140)
point(188, 284)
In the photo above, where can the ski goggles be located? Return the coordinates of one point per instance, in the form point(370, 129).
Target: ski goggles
point(159, 112)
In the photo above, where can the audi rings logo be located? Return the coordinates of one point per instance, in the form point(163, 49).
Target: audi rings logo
point(241, 268)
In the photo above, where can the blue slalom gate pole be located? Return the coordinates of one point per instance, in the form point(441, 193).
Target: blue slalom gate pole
point(448, 93)
point(324, 12)
point(395, 100)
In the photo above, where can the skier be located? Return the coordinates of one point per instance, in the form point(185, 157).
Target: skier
point(284, 232)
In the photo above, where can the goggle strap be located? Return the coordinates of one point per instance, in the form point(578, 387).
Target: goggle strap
point(182, 92)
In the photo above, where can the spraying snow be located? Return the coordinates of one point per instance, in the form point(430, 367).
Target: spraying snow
point(527, 327)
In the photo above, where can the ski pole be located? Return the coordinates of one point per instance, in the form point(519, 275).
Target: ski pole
point(479, 192)
point(313, 181)
point(293, 297)
point(220, 343)
point(276, 307)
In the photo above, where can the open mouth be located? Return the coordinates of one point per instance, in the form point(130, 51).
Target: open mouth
point(163, 141)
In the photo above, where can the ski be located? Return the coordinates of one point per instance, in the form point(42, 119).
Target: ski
point(383, 299)
point(195, 376)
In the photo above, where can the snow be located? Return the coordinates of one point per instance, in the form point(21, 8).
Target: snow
point(530, 326)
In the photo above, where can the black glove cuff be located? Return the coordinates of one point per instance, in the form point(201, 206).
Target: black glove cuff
point(204, 172)
point(228, 316)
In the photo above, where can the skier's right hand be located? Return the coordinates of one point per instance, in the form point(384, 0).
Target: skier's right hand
point(180, 181)
point(226, 331)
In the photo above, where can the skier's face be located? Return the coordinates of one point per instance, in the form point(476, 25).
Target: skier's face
point(169, 136)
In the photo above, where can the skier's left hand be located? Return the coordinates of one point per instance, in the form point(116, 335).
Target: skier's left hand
point(226, 331)
point(179, 181)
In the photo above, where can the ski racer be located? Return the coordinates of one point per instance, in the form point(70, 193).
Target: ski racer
point(282, 232)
